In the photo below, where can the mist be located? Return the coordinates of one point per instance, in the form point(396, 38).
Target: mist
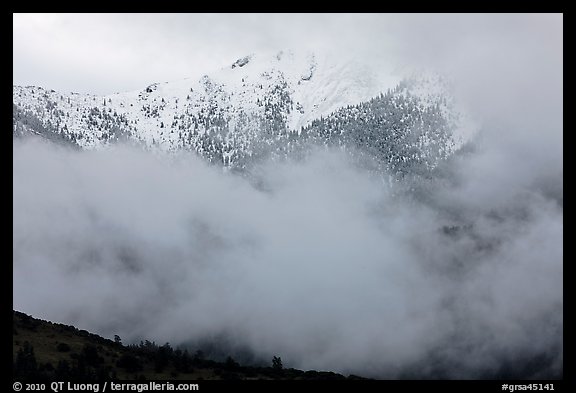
point(319, 261)
point(324, 265)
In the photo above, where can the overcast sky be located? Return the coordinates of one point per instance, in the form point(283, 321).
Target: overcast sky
point(107, 53)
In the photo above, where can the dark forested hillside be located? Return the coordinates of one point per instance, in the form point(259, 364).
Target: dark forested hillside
point(44, 350)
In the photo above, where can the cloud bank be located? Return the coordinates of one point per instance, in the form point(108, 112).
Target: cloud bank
point(325, 267)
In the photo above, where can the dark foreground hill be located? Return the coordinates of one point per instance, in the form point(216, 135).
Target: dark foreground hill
point(44, 350)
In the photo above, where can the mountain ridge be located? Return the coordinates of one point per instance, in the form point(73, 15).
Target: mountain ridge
point(45, 350)
point(257, 106)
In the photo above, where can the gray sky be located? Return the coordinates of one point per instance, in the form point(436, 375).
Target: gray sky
point(106, 53)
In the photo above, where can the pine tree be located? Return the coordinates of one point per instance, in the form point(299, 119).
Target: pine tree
point(277, 363)
point(25, 365)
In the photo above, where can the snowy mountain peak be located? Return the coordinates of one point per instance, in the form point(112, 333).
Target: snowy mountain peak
point(257, 101)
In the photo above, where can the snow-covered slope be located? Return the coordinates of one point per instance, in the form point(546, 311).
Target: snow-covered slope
point(434, 89)
point(259, 106)
point(296, 87)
